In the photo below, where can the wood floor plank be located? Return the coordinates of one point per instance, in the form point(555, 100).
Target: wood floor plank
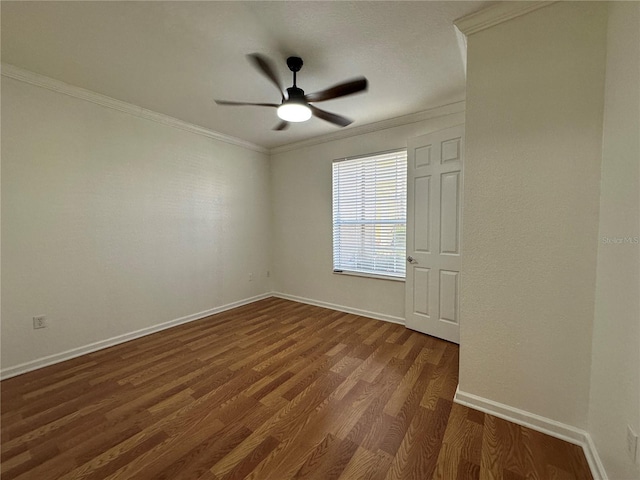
point(287, 422)
point(398, 399)
point(451, 452)
point(251, 461)
point(491, 459)
point(273, 390)
point(319, 458)
point(362, 465)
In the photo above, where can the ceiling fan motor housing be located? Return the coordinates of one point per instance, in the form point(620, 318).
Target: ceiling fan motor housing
point(294, 64)
point(295, 94)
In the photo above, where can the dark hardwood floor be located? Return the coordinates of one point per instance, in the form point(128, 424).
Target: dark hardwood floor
point(274, 390)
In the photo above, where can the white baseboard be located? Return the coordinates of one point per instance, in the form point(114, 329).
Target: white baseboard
point(521, 417)
point(541, 424)
point(595, 463)
point(340, 308)
point(92, 347)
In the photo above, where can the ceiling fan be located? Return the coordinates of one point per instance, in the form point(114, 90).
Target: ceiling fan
point(295, 106)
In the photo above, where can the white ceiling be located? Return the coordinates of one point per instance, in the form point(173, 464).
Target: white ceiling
point(176, 57)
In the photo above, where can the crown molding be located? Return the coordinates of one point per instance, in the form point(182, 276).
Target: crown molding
point(27, 76)
point(496, 14)
point(38, 80)
point(449, 109)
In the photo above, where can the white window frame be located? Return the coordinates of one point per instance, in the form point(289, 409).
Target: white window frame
point(380, 215)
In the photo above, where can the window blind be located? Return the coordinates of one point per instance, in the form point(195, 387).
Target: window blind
point(370, 214)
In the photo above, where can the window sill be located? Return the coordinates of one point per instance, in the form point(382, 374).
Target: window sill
point(369, 275)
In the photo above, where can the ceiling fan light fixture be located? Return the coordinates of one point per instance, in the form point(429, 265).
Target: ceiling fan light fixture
point(296, 106)
point(294, 112)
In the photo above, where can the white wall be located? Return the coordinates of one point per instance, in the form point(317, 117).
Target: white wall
point(302, 257)
point(112, 223)
point(533, 148)
point(615, 369)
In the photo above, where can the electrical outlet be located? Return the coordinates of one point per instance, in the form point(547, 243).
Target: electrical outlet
point(251, 277)
point(268, 274)
point(632, 443)
point(39, 322)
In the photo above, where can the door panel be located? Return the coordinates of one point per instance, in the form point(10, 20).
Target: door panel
point(434, 226)
point(449, 296)
point(449, 213)
point(421, 290)
point(421, 228)
point(423, 156)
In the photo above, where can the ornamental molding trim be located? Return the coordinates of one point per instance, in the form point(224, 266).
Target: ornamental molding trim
point(449, 109)
point(496, 14)
point(27, 76)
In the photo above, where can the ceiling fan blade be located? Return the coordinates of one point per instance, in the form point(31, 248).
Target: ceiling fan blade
point(264, 66)
point(346, 88)
point(227, 102)
point(282, 126)
point(330, 117)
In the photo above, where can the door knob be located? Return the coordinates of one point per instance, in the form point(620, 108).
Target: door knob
point(410, 259)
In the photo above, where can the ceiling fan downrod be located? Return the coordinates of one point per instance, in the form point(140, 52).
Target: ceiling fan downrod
point(294, 64)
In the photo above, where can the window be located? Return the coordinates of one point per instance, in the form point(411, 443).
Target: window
point(370, 214)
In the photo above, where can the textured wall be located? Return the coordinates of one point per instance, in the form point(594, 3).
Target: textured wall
point(302, 221)
point(112, 223)
point(615, 375)
point(533, 137)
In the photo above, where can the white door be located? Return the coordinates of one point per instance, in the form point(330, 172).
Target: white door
point(434, 222)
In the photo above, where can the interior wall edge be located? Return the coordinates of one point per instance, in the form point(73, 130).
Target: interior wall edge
point(341, 308)
point(527, 317)
point(42, 362)
point(548, 426)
